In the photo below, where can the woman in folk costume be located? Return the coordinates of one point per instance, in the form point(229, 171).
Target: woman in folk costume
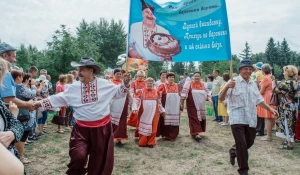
point(145, 104)
point(169, 101)
point(119, 112)
point(136, 85)
point(92, 135)
point(196, 93)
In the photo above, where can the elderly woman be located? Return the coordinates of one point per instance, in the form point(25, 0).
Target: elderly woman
point(287, 106)
point(11, 130)
point(24, 94)
point(136, 85)
point(195, 92)
point(145, 105)
point(265, 88)
point(169, 102)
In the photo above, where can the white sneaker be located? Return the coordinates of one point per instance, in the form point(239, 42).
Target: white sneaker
point(224, 124)
point(221, 123)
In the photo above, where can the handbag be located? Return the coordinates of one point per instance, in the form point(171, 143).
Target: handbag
point(58, 120)
point(274, 97)
point(23, 115)
point(39, 114)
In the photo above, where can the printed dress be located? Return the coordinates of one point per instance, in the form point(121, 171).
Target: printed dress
point(287, 109)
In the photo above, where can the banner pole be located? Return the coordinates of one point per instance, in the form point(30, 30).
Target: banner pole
point(231, 69)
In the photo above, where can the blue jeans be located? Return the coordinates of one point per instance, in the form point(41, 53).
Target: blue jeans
point(215, 104)
point(43, 120)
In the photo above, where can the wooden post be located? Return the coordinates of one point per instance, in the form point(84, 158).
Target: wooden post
point(231, 69)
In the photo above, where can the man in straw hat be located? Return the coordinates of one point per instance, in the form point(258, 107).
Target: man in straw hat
point(93, 133)
point(242, 96)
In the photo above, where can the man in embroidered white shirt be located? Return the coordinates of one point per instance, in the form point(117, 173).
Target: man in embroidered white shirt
point(92, 134)
point(242, 96)
point(140, 33)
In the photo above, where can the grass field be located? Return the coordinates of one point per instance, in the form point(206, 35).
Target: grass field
point(184, 156)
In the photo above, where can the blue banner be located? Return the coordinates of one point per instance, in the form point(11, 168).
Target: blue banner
point(189, 30)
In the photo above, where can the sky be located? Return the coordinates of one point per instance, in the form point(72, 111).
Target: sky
point(34, 21)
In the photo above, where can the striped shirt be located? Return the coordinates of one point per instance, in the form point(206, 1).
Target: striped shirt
point(242, 101)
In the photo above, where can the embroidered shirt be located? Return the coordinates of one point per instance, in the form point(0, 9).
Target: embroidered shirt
point(242, 101)
point(90, 101)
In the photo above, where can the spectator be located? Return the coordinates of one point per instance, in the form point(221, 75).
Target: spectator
point(50, 85)
point(75, 74)
point(222, 106)
point(287, 111)
point(24, 94)
point(33, 71)
point(217, 83)
point(69, 111)
point(43, 72)
point(181, 82)
point(265, 88)
point(8, 90)
point(11, 129)
point(41, 81)
point(260, 128)
point(60, 87)
point(9, 163)
point(186, 77)
point(297, 129)
point(209, 83)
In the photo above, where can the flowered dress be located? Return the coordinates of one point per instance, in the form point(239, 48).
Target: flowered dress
point(287, 109)
point(10, 123)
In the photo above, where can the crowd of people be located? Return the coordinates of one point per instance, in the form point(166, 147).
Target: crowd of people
point(97, 111)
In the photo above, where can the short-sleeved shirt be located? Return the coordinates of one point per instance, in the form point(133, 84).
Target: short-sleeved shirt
point(217, 83)
point(8, 88)
point(242, 101)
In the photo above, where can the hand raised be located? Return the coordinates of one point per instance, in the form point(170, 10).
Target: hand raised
point(231, 84)
point(13, 108)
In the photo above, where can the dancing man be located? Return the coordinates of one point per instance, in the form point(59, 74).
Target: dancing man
point(92, 134)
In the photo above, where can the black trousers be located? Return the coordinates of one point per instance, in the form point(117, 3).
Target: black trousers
point(244, 137)
point(260, 127)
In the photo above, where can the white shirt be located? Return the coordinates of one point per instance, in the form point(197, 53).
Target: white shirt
point(137, 42)
point(2, 126)
point(242, 101)
point(90, 102)
point(217, 83)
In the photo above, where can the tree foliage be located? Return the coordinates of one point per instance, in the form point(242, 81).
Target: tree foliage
point(247, 52)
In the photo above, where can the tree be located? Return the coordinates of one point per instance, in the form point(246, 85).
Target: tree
point(155, 67)
point(110, 38)
point(271, 51)
point(23, 57)
point(246, 53)
point(191, 67)
point(285, 52)
point(178, 67)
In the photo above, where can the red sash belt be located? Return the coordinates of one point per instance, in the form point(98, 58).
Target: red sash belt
point(94, 124)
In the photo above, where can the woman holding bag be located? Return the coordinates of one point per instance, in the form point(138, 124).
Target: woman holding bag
point(60, 87)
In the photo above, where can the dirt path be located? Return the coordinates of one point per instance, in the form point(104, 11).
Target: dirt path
point(184, 156)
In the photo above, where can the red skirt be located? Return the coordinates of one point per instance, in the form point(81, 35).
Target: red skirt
point(196, 126)
point(297, 129)
point(120, 132)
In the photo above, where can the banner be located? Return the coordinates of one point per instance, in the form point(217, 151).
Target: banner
point(189, 30)
point(136, 64)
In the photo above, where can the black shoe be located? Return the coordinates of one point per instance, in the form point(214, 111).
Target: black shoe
point(214, 120)
point(150, 146)
point(259, 134)
point(120, 144)
point(232, 158)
